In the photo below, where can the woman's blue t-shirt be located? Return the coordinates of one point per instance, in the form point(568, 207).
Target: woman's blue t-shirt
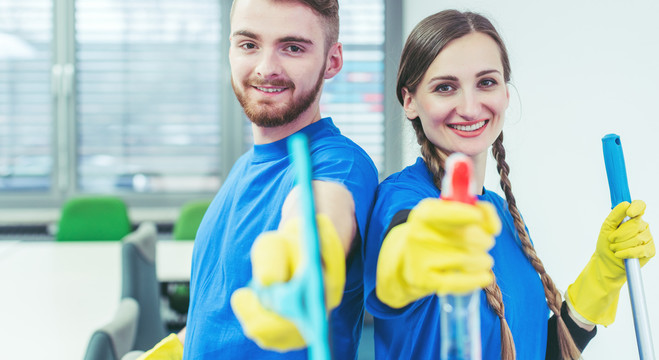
point(413, 332)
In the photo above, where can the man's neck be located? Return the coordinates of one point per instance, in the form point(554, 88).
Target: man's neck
point(267, 135)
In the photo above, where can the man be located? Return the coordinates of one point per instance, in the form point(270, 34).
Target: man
point(281, 52)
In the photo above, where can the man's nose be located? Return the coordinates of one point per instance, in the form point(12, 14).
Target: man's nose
point(268, 65)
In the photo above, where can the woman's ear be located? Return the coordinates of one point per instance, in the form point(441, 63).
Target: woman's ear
point(409, 105)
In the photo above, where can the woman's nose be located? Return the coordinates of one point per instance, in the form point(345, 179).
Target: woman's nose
point(469, 106)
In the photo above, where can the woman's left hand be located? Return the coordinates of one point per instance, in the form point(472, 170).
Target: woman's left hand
point(594, 295)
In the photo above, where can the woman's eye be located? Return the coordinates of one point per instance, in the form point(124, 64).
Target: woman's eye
point(488, 83)
point(444, 88)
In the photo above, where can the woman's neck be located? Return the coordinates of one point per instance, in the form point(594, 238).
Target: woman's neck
point(480, 165)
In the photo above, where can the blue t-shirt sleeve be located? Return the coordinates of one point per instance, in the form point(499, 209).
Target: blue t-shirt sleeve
point(352, 168)
point(391, 198)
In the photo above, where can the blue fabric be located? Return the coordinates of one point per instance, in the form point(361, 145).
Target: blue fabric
point(248, 204)
point(413, 332)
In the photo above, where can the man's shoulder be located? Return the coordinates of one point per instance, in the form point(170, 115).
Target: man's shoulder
point(340, 147)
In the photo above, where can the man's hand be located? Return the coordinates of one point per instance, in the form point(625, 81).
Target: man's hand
point(275, 258)
point(169, 348)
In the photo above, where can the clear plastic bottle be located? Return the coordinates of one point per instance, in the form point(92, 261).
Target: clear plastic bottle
point(460, 327)
point(460, 314)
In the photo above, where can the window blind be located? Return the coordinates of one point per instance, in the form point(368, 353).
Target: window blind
point(26, 129)
point(354, 98)
point(148, 95)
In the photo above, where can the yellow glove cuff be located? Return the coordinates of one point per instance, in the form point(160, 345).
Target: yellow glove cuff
point(391, 288)
point(575, 313)
point(169, 348)
point(594, 294)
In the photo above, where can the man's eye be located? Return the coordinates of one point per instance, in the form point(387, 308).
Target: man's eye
point(294, 48)
point(248, 46)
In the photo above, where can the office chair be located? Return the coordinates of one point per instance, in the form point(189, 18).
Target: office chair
point(186, 225)
point(133, 355)
point(115, 339)
point(93, 218)
point(139, 281)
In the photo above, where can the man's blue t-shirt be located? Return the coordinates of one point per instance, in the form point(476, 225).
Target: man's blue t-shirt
point(413, 332)
point(249, 203)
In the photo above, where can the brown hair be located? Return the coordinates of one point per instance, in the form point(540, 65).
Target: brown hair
point(328, 10)
point(423, 45)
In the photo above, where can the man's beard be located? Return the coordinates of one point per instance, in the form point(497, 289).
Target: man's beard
point(267, 116)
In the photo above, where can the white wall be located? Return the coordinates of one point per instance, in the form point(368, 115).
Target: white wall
point(581, 70)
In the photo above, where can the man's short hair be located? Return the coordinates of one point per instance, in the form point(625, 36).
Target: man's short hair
point(328, 10)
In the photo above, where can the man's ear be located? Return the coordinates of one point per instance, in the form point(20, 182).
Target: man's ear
point(409, 105)
point(334, 60)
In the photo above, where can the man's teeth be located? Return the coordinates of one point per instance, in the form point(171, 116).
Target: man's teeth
point(472, 127)
point(270, 90)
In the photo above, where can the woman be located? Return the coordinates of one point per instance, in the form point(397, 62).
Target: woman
point(452, 83)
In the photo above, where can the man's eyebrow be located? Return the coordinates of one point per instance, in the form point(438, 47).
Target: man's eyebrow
point(246, 33)
point(285, 39)
point(297, 39)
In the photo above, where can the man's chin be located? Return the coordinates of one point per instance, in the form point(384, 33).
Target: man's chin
point(268, 119)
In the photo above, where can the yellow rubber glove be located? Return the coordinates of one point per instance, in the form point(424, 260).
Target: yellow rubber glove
point(169, 348)
point(442, 248)
point(275, 257)
point(594, 295)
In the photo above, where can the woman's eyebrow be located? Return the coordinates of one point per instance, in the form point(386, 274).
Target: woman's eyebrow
point(444, 77)
point(454, 78)
point(485, 72)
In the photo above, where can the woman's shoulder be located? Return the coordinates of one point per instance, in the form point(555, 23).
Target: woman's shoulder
point(493, 197)
point(413, 176)
point(404, 189)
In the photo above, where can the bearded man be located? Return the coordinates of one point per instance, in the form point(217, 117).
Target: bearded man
point(281, 52)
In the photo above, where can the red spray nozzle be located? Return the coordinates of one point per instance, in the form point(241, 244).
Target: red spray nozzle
point(458, 183)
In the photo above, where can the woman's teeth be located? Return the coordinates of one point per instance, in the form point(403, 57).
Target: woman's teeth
point(472, 127)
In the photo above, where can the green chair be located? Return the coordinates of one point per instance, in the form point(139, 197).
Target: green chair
point(93, 218)
point(185, 227)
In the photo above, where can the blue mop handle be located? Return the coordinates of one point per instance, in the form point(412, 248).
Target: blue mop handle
point(302, 298)
point(619, 189)
point(314, 293)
